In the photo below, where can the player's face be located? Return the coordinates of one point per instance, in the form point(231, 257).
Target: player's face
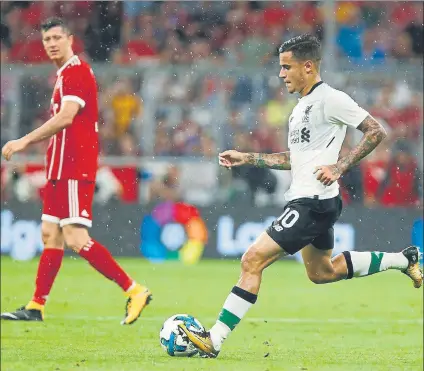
point(57, 42)
point(293, 72)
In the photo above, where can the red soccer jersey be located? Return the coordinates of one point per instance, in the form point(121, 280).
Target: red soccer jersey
point(73, 152)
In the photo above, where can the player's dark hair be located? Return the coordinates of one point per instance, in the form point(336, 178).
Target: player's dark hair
point(55, 22)
point(304, 47)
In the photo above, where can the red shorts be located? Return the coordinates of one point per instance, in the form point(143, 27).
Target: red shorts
point(68, 202)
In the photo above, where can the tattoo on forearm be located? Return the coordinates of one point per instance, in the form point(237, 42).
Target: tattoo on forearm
point(277, 161)
point(374, 133)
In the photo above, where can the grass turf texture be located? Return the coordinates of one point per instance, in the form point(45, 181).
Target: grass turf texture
point(372, 323)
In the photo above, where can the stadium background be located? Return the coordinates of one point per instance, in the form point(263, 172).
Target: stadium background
point(179, 82)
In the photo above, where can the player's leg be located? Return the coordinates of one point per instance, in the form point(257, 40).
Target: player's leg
point(48, 267)
point(50, 260)
point(76, 235)
point(366, 263)
point(287, 235)
point(261, 254)
point(321, 268)
point(78, 239)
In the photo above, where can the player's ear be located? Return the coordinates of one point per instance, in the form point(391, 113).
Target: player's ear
point(71, 39)
point(309, 66)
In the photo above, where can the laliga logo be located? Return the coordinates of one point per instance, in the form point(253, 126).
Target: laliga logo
point(234, 241)
point(20, 238)
point(173, 231)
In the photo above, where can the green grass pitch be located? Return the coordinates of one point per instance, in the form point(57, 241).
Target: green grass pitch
point(366, 324)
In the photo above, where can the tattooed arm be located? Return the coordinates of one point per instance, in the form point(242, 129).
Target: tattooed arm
point(374, 133)
point(277, 161)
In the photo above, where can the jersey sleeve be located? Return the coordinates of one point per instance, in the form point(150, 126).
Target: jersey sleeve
point(74, 86)
point(340, 108)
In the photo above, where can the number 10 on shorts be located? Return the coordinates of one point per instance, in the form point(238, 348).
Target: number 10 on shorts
point(286, 220)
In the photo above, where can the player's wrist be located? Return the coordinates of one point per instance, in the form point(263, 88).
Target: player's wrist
point(341, 168)
point(247, 158)
point(26, 140)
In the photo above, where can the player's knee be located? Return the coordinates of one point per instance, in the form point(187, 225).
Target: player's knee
point(251, 262)
point(320, 277)
point(317, 279)
point(51, 236)
point(75, 237)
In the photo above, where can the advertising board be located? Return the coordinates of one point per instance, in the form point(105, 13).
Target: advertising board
point(218, 232)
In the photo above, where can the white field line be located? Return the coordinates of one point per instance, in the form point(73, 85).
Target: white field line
point(411, 321)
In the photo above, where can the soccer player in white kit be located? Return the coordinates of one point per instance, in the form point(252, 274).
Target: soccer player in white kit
point(317, 128)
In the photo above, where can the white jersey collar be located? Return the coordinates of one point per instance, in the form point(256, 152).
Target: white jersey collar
point(319, 83)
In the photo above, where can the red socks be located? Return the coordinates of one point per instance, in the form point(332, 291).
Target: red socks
point(48, 267)
point(101, 259)
point(96, 254)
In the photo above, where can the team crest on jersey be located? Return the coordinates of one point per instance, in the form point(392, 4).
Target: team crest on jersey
point(305, 118)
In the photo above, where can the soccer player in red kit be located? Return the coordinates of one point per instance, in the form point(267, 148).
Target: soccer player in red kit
point(71, 172)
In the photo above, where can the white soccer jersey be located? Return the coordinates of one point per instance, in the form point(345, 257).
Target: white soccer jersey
point(317, 129)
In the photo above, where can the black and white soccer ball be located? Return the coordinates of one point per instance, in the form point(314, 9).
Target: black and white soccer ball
point(174, 341)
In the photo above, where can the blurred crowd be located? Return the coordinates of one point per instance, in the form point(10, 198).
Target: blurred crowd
point(241, 32)
point(168, 108)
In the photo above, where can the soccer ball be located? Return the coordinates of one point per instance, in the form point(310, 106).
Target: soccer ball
point(174, 341)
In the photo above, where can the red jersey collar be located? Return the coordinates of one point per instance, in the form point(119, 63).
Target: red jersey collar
point(67, 63)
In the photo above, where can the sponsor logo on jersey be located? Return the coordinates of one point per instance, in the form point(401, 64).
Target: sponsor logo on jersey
point(294, 136)
point(303, 135)
point(306, 136)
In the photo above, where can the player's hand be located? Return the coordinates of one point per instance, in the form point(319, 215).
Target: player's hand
point(327, 175)
point(12, 147)
point(232, 158)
